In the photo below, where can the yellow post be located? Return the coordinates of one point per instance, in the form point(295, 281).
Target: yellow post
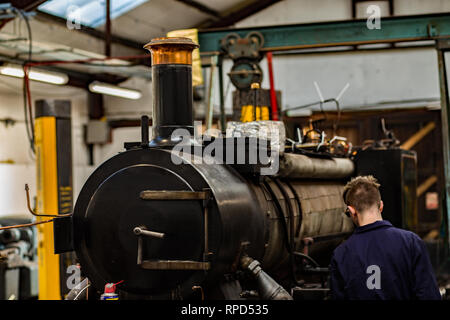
point(53, 145)
point(47, 202)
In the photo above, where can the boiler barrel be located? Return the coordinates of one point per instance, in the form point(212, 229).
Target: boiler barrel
point(310, 209)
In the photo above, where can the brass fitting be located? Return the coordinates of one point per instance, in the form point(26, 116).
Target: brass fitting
point(255, 85)
point(171, 50)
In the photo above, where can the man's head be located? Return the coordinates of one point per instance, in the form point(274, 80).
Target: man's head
point(363, 200)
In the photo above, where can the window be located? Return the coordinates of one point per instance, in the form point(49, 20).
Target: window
point(87, 12)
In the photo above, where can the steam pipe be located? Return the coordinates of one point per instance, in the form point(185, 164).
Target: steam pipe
point(268, 288)
point(144, 132)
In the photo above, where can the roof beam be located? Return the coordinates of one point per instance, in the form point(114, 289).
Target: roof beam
point(239, 13)
point(337, 33)
point(201, 7)
point(91, 31)
point(26, 5)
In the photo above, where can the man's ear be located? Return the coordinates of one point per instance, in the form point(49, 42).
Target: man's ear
point(352, 210)
point(381, 206)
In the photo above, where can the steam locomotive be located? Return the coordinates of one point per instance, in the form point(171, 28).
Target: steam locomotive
point(167, 226)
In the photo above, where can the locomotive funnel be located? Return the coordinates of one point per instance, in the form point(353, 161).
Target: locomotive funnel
point(171, 88)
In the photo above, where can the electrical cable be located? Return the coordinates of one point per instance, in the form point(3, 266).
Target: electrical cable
point(30, 39)
point(336, 123)
point(25, 110)
point(285, 111)
point(299, 204)
point(28, 96)
point(320, 103)
point(30, 55)
point(28, 114)
point(27, 93)
point(279, 211)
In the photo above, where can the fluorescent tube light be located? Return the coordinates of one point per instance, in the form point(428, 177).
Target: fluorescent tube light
point(112, 90)
point(42, 76)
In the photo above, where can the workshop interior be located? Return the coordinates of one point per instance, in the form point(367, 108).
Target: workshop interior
point(198, 149)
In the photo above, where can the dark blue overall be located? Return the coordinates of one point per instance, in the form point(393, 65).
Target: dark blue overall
point(380, 262)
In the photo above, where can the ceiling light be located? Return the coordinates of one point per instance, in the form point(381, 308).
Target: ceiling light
point(112, 90)
point(43, 76)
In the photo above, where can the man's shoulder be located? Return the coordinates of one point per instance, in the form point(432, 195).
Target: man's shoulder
point(348, 245)
point(405, 234)
point(385, 228)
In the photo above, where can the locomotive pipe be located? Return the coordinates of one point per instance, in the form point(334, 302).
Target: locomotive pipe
point(301, 166)
point(171, 88)
point(144, 132)
point(268, 288)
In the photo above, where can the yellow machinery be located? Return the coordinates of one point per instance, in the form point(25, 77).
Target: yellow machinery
point(54, 189)
point(248, 113)
point(255, 112)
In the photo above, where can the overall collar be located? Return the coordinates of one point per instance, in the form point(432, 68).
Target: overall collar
point(373, 225)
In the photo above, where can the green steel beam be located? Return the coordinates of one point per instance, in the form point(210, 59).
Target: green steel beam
point(442, 47)
point(339, 33)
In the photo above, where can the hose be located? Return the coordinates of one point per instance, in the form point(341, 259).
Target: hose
point(305, 256)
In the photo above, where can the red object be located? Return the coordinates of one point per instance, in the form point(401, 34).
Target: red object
point(111, 287)
point(273, 96)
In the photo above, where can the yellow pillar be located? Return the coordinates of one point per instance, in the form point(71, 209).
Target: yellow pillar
point(47, 203)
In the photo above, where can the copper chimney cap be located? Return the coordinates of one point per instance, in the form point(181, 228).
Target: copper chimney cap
point(171, 50)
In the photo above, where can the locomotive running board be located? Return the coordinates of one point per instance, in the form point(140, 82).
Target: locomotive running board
point(174, 195)
point(205, 196)
point(175, 265)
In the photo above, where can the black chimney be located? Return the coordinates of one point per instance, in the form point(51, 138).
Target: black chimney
point(171, 88)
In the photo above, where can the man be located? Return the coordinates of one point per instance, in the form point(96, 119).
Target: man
point(379, 261)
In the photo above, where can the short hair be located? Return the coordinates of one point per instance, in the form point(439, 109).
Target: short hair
point(362, 193)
